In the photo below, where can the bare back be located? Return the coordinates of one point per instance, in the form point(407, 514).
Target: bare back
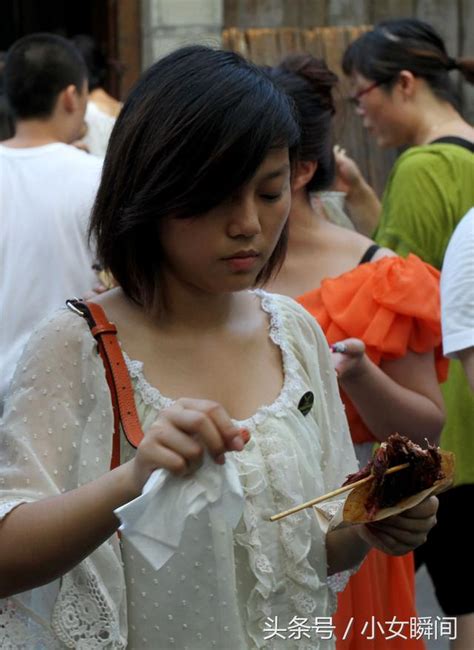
point(327, 252)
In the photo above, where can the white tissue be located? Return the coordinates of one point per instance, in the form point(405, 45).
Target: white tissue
point(154, 522)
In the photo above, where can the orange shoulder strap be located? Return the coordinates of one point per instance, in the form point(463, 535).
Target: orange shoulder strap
point(118, 379)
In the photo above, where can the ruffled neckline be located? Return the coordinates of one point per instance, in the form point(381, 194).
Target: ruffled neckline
point(152, 396)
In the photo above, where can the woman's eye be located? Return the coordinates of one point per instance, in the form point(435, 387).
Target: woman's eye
point(271, 197)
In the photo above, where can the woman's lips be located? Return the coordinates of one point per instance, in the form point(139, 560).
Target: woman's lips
point(242, 263)
point(243, 260)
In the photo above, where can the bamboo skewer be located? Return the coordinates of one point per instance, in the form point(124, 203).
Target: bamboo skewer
point(334, 493)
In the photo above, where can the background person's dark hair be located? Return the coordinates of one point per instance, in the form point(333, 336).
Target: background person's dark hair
point(95, 59)
point(37, 68)
point(406, 44)
point(309, 83)
point(194, 129)
point(7, 123)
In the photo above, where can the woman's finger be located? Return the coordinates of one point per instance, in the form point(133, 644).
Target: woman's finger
point(385, 542)
point(351, 347)
point(404, 536)
point(426, 508)
point(411, 524)
point(233, 437)
point(156, 456)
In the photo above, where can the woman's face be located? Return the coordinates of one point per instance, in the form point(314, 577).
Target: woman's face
point(225, 249)
point(381, 109)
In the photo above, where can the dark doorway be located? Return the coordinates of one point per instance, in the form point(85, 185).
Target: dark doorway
point(114, 25)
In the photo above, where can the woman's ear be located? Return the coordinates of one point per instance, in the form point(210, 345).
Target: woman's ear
point(303, 172)
point(406, 82)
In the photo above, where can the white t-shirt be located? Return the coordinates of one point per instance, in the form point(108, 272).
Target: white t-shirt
point(457, 289)
point(99, 128)
point(46, 195)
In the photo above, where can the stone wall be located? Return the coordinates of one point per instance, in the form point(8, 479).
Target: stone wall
point(168, 24)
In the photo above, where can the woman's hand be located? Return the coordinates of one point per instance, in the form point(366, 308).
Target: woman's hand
point(348, 175)
point(402, 533)
point(364, 205)
point(349, 358)
point(180, 436)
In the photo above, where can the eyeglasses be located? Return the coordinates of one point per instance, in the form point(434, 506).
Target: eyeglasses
point(355, 99)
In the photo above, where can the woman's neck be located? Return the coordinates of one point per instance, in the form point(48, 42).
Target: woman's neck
point(178, 313)
point(186, 308)
point(306, 220)
point(105, 102)
point(438, 119)
point(317, 249)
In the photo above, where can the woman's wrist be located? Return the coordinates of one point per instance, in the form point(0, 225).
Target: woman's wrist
point(346, 548)
point(125, 481)
point(359, 190)
point(356, 373)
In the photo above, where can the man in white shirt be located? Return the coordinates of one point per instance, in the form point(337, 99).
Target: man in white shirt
point(457, 296)
point(47, 189)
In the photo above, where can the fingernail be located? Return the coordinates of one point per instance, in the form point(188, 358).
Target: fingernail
point(237, 443)
point(245, 435)
point(339, 347)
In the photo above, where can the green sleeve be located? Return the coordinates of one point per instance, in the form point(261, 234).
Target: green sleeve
point(417, 206)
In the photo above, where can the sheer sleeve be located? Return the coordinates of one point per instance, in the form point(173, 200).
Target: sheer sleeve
point(56, 434)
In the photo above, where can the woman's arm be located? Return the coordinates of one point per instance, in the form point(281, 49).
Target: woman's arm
point(466, 357)
point(395, 535)
point(401, 395)
point(41, 541)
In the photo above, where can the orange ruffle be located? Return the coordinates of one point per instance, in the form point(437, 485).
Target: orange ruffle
point(393, 305)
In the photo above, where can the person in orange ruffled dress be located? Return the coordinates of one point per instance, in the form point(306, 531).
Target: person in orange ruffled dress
point(381, 315)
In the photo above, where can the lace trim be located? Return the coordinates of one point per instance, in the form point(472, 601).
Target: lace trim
point(82, 618)
point(153, 397)
point(8, 506)
point(304, 590)
point(19, 631)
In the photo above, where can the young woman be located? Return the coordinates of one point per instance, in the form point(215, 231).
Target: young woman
point(191, 215)
point(386, 311)
point(102, 109)
point(400, 73)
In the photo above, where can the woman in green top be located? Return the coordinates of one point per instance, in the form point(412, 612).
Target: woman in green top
point(401, 88)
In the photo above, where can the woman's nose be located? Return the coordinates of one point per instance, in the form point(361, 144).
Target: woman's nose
point(244, 220)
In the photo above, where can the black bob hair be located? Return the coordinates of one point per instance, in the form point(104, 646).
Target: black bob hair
point(194, 129)
point(37, 68)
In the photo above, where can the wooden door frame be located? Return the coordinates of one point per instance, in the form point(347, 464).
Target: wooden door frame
point(125, 38)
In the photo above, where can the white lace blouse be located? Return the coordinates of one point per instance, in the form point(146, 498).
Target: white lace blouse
point(225, 588)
